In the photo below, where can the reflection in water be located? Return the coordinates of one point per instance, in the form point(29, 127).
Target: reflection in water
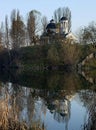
point(18, 104)
point(52, 106)
point(89, 99)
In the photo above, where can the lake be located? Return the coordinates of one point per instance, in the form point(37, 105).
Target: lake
point(48, 100)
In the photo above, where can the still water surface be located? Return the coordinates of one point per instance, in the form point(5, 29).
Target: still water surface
point(56, 101)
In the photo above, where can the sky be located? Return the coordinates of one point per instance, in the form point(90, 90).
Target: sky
point(83, 11)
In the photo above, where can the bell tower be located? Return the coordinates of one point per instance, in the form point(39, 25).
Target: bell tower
point(63, 25)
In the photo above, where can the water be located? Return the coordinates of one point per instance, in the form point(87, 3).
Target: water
point(55, 101)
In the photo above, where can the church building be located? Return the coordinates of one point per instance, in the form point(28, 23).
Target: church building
point(58, 31)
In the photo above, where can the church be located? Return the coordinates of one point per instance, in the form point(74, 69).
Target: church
point(60, 28)
point(58, 32)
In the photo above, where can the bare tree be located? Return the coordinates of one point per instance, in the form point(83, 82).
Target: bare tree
point(79, 35)
point(7, 39)
point(63, 12)
point(6, 33)
point(58, 14)
point(44, 23)
point(2, 35)
point(67, 14)
point(92, 29)
point(87, 35)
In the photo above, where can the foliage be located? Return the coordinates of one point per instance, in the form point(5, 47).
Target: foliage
point(91, 63)
point(87, 35)
point(69, 53)
point(56, 54)
point(53, 56)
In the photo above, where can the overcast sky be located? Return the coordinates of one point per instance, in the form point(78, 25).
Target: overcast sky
point(83, 11)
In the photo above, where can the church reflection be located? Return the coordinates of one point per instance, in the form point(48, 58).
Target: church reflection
point(37, 106)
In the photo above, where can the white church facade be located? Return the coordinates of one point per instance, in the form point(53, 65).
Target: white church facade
point(64, 25)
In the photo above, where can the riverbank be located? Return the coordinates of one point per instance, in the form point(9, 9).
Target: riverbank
point(55, 56)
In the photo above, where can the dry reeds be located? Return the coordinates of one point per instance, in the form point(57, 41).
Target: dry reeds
point(9, 113)
point(7, 123)
point(3, 113)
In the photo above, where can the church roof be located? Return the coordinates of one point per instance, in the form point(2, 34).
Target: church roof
point(51, 26)
point(64, 18)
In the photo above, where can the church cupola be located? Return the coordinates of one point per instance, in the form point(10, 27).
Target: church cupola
point(51, 27)
point(52, 21)
point(64, 25)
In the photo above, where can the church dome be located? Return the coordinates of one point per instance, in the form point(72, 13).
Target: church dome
point(51, 26)
point(64, 18)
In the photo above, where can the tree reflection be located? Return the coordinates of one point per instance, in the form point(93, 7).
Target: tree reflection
point(51, 93)
point(17, 105)
point(28, 104)
point(89, 99)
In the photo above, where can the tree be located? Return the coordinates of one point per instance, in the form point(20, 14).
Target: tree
point(63, 12)
point(79, 34)
point(87, 35)
point(53, 55)
point(2, 38)
point(6, 33)
point(92, 30)
point(58, 14)
point(7, 39)
point(69, 53)
point(17, 31)
point(44, 23)
point(33, 25)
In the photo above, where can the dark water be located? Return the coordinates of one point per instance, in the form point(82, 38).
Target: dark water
point(52, 100)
